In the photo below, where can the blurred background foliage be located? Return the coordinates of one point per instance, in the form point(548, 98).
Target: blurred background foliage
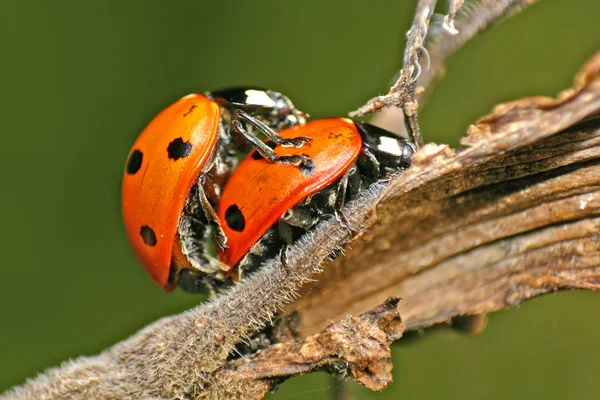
point(80, 79)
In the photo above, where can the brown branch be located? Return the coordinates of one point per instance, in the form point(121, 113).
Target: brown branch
point(513, 215)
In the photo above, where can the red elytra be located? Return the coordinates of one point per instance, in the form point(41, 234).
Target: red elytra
point(334, 147)
point(161, 169)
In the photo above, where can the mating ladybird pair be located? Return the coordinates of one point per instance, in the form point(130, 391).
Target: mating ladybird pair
point(180, 167)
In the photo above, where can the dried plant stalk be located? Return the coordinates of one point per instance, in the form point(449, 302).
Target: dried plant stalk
point(480, 16)
point(403, 93)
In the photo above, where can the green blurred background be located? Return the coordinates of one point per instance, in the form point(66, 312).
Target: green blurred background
point(80, 79)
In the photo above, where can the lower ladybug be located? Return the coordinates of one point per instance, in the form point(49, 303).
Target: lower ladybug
point(175, 171)
point(265, 207)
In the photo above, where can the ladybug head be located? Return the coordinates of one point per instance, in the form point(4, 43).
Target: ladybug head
point(284, 114)
point(271, 107)
point(393, 152)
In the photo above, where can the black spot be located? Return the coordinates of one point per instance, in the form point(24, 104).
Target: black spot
point(192, 108)
point(134, 162)
point(234, 218)
point(148, 235)
point(179, 149)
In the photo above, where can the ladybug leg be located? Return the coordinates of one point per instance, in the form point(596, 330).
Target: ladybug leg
point(368, 164)
point(283, 258)
point(192, 232)
point(299, 141)
point(210, 213)
point(354, 183)
point(286, 236)
point(303, 217)
point(195, 281)
point(304, 162)
point(192, 268)
point(340, 199)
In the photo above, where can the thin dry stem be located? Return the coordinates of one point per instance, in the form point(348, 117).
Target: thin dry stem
point(480, 16)
point(402, 94)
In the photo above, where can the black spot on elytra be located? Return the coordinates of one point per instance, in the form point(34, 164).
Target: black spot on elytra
point(188, 112)
point(334, 135)
point(235, 219)
point(179, 149)
point(148, 235)
point(257, 156)
point(134, 161)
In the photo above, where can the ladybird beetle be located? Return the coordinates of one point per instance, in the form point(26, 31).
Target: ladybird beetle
point(264, 207)
point(175, 171)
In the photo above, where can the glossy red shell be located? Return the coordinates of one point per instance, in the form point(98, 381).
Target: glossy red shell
point(264, 191)
point(163, 165)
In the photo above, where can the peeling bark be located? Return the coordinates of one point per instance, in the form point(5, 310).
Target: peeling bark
point(358, 347)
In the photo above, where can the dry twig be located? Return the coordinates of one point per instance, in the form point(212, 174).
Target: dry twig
point(482, 14)
point(402, 94)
